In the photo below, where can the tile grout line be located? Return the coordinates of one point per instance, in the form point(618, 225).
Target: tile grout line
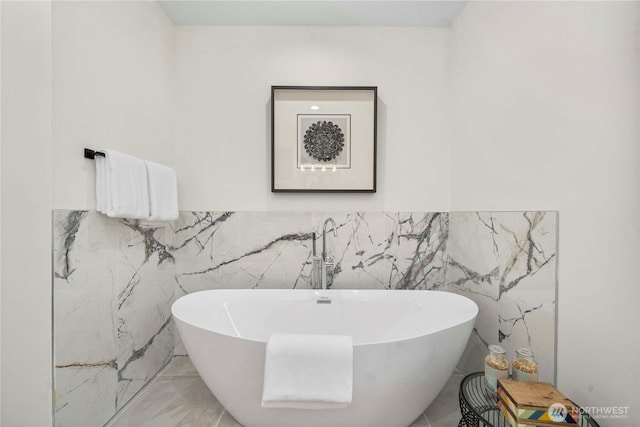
point(194, 373)
point(135, 398)
point(224, 411)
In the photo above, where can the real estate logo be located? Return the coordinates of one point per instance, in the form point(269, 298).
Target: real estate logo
point(557, 412)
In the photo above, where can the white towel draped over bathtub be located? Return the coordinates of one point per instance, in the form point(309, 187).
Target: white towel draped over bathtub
point(308, 371)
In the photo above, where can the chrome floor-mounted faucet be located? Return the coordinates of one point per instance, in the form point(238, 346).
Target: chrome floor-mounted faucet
point(322, 271)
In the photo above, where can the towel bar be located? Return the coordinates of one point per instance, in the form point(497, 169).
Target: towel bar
point(91, 154)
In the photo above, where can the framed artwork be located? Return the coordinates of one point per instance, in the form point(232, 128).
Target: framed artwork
point(323, 138)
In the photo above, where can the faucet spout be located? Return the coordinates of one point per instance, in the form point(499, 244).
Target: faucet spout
point(324, 238)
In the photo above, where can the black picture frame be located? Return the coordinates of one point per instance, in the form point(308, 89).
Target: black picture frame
point(324, 139)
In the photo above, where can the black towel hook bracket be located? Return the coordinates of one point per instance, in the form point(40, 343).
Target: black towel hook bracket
point(91, 154)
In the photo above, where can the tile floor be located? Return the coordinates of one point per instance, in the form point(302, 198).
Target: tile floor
point(178, 397)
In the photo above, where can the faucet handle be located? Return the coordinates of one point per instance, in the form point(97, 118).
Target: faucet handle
point(316, 272)
point(329, 270)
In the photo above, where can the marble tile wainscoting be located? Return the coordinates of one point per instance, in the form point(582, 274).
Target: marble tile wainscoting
point(113, 285)
point(114, 282)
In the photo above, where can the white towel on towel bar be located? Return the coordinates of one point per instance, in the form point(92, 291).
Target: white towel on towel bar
point(126, 192)
point(308, 371)
point(163, 194)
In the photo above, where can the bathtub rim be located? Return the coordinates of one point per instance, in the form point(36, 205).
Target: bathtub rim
point(471, 318)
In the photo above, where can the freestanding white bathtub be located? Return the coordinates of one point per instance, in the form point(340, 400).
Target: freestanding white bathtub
point(406, 345)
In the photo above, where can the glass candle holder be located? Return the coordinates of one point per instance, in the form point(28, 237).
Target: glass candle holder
point(496, 367)
point(524, 366)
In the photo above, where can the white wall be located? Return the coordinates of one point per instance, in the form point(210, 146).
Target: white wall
point(26, 213)
point(220, 104)
point(546, 117)
point(112, 65)
point(222, 112)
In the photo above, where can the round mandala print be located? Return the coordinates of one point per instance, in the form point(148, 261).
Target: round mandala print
point(324, 141)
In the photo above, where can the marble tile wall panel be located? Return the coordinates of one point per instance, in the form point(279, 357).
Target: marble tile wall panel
point(373, 250)
point(86, 374)
point(507, 263)
point(238, 250)
point(112, 285)
point(145, 291)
